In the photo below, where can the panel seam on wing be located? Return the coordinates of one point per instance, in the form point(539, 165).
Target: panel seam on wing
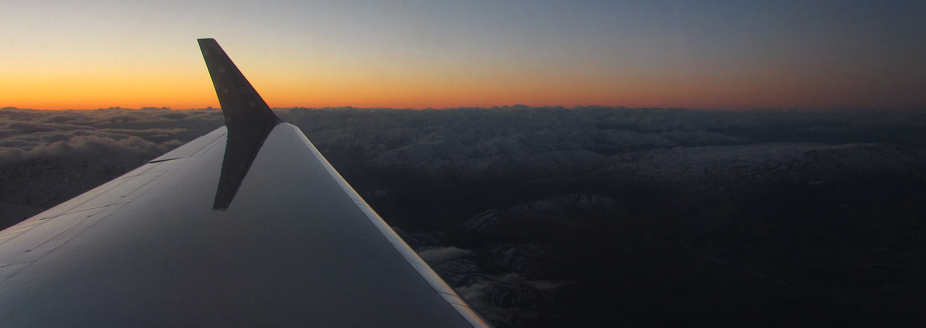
point(17, 263)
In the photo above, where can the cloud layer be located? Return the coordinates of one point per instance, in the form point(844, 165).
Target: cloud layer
point(107, 134)
point(519, 208)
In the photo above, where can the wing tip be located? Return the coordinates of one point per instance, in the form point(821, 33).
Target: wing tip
point(243, 107)
point(205, 43)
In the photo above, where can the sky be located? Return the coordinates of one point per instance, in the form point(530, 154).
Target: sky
point(808, 54)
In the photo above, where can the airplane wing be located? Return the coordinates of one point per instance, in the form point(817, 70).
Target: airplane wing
point(247, 226)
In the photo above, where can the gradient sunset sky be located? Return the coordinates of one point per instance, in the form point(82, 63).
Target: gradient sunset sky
point(417, 54)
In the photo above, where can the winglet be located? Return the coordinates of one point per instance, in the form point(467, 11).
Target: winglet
point(244, 109)
point(248, 118)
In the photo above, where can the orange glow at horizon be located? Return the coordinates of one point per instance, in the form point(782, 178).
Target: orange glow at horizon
point(442, 87)
point(90, 93)
point(723, 55)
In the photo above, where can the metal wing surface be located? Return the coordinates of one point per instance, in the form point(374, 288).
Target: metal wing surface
point(247, 226)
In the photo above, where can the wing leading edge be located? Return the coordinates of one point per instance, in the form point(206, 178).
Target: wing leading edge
point(288, 243)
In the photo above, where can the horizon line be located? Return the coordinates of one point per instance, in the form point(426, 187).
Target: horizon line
point(516, 106)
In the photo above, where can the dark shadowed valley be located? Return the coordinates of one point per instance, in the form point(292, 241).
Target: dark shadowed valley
point(588, 216)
